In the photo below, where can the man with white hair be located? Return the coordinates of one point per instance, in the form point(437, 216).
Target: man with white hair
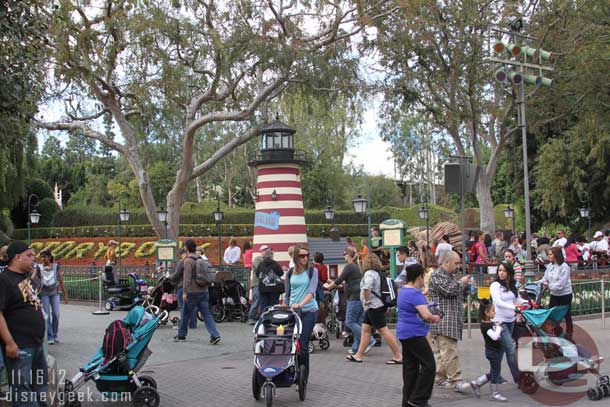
point(599, 245)
point(449, 294)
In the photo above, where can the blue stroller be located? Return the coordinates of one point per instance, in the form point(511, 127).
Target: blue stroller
point(117, 378)
point(276, 351)
point(565, 362)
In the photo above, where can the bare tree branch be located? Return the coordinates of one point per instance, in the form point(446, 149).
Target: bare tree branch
point(87, 131)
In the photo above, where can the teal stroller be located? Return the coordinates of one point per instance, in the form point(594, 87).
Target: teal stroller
point(117, 378)
point(565, 361)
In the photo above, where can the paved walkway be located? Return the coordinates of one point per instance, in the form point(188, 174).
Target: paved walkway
point(196, 373)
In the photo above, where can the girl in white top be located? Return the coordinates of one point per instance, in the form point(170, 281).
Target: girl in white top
point(557, 279)
point(503, 293)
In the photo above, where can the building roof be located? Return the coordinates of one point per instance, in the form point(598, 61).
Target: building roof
point(332, 250)
point(278, 126)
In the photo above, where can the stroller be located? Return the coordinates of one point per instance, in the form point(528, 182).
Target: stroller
point(162, 297)
point(122, 294)
point(565, 362)
point(320, 330)
point(119, 374)
point(276, 350)
point(227, 299)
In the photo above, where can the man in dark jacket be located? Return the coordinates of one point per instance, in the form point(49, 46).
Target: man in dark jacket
point(270, 286)
point(22, 329)
point(176, 279)
point(195, 297)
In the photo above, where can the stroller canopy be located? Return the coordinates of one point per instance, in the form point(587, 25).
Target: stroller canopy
point(537, 317)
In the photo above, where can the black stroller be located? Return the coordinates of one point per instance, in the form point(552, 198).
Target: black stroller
point(276, 351)
point(227, 299)
point(162, 297)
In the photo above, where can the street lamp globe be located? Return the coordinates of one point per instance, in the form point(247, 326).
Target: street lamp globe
point(34, 217)
point(509, 212)
point(360, 205)
point(124, 215)
point(584, 212)
point(423, 212)
point(162, 215)
point(329, 213)
point(218, 215)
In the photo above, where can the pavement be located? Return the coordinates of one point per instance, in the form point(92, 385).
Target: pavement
point(196, 373)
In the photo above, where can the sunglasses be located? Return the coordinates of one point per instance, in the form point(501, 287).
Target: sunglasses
point(303, 256)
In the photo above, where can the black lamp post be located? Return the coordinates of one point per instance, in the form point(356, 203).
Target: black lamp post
point(585, 212)
point(218, 218)
point(123, 217)
point(423, 214)
point(33, 216)
point(329, 213)
point(162, 216)
point(509, 213)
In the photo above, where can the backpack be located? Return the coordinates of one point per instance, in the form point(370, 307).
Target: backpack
point(388, 290)
point(116, 339)
point(202, 275)
point(319, 289)
point(269, 281)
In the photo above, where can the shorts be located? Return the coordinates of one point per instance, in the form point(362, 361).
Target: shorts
point(375, 317)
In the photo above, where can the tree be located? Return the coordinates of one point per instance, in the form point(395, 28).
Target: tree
point(433, 55)
point(175, 68)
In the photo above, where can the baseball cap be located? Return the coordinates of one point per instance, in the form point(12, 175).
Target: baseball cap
point(265, 247)
point(14, 248)
point(598, 234)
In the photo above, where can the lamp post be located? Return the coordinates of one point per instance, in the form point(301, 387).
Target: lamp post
point(33, 216)
point(162, 216)
point(329, 213)
point(423, 214)
point(585, 212)
point(362, 205)
point(509, 213)
point(123, 217)
point(218, 218)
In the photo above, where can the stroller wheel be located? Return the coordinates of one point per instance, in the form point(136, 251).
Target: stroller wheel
point(324, 343)
point(594, 393)
point(146, 397)
point(310, 347)
point(109, 305)
point(269, 395)
point(218, 312)
point(302, 383)
point(256, 387)
point(148, 381)
point(527, 383)
point(332, 325)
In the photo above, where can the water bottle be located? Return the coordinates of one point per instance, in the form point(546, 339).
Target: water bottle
point(280, 330)
point(472, 287)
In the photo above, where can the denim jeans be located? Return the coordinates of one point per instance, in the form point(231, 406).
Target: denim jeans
point(267, 300)
point(495, 363)
point(508, 347)
point(50, 304)
point(353, 320)
point(308, 320)
point(28, 377)
point(193, 322)
point(194, 302)
point(253, 313)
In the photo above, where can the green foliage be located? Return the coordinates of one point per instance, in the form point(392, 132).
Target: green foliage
point(39, 187)
point(550, 229)
point(47, 208)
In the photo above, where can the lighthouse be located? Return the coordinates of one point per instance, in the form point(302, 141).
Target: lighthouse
point(279, 219)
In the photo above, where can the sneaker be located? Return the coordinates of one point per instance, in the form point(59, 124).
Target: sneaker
point(51, 342)
point(179, 338)
point(369, 347)
point(215, 341)
point(351, 352)
point(445, 385)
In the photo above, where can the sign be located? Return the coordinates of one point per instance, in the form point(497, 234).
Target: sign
point(166, 250)
point(392, 237)
point(266, 220)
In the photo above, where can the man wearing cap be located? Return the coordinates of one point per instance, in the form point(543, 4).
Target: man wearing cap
point(22, 328)
point(599, 246)
point(269, 274)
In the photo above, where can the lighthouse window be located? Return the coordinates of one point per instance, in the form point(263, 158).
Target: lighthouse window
point(277, 140)
point(286, 141)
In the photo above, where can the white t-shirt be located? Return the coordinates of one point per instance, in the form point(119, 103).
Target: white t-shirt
point(442, 247)
point(599, 246)
point(585, 251)
point(232, 254)
point(372, 282)
point(560, 242)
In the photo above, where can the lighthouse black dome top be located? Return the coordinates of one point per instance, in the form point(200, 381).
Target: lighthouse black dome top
point(277, 146)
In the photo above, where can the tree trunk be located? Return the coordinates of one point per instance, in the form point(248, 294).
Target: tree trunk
point(199, 189)
point(486, 207)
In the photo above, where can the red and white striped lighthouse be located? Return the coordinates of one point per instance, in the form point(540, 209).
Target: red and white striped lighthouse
point(279, 220)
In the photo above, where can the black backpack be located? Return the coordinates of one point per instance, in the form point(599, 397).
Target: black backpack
point(388, 290)
point(203, 276)
point(319, 289)
point(116, 339)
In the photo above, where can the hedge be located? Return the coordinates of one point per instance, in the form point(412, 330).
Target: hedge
point(314, 230)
